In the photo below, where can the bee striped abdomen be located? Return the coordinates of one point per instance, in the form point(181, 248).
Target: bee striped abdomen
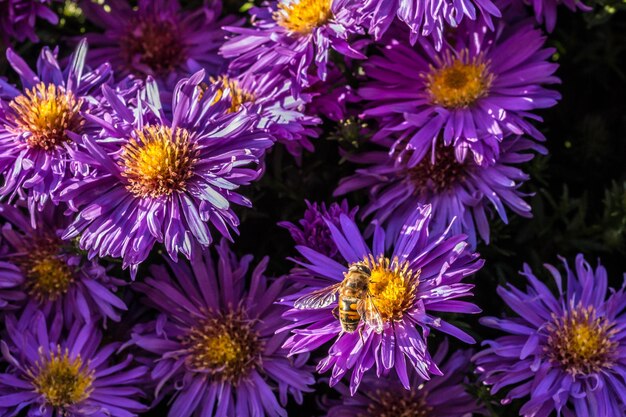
point(348, 316)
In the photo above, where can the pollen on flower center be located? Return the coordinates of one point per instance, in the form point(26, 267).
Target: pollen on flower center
point(440, 175)
point(159, 161)
point(392, 285)
point(459, 81)
point(238, 96)
point(47, 275)
point(153, 42)
point(61, 380)
point(581, 341)
point(303, 16)
point(225, 347)
point(44, 114)
point(394, 404)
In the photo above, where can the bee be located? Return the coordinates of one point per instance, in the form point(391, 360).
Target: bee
point(355, 300)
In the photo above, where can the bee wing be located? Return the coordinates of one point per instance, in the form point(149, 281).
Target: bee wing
point(368, 312)
point(318, 299)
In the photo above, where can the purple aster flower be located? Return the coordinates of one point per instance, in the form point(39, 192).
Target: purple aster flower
point(563, 353)
point(424, 17)
point(296, 34)
point(313, 231)
point(42, 122)
point(545, 10)
point(157, 38)
point(478, 89)
point(216, 341)
point(281, 113)
point(441, 396)
point(162, 180)
point(18, 18)
point(53, 373)
point(419, 276)
point(50, 274)
point(463, 190)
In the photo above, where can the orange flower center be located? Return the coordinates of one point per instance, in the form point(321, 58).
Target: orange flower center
point(459, 81)
point(159, 162)
point(303, 16)
point(581, 341)
point(226, 347)
point(46, 113)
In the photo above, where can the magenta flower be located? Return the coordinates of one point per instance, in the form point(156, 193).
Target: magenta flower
point(295, 34)
point(215, 341)
point(42, 122)
point(481, 87)
point(52, 373)
point(418, 276)
point(563, 353)
point(157, 38)
point(158, 180)
point(465, 191)
point(49, 274)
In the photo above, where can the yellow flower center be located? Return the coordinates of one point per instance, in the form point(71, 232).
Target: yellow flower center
point(48, 276)
point(238, 96)
point(159, 161)
point(459, 81)
point(46, 113)
point(226, 348)
point(397, 404)
point(62, 381)
point(392, 285)
point(303, 16)
point(153, 42)
point(440, 175)
point(581, 342)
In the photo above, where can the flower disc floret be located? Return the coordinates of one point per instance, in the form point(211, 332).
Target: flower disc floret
point(225, 347)
point(61, 380)
point(45, 113)
point(48, 276)
point(459, 81)
point(392, 285)
point(303, 16)
point(581, 341)
point(159, 161)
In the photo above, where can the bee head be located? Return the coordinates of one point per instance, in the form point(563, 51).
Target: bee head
point(360, 268)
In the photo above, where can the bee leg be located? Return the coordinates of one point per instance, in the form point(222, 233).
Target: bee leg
point(361, 335)
point(336, 312)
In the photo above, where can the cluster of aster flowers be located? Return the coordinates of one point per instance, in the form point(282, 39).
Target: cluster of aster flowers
point(129, 154)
